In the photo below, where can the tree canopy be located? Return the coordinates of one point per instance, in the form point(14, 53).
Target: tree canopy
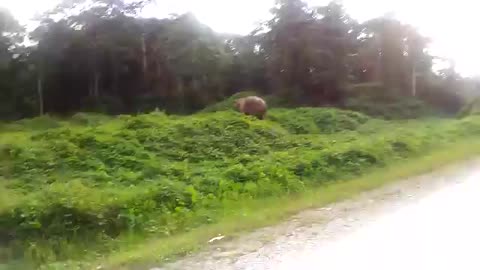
point(100, 55)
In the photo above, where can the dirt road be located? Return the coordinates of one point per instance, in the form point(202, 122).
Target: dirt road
point(427, 222)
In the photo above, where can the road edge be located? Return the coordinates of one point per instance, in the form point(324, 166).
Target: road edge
point(257, 214)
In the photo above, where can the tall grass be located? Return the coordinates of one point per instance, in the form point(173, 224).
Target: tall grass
point(252, 214)
point(94, 183)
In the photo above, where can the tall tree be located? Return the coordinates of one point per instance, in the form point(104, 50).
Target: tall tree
point(306, 51)
point(420, 62)
point(11, 34)
point(393, 53)
point(100, 55)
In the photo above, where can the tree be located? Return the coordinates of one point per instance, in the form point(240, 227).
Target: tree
point(420, 62)
point(393, 53)
point(11, 33)
point(99, 55)
point(193, 58)
point(96, 47)
point(248, 67)
point(53, 39)
point(306, 51)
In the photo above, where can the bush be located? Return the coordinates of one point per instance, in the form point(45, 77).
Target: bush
point(33, 124)
point(471, 108)
point(374, 100)
point(95, 180)
point(103, 104)
point(89, 119)
point(314, 121)
point(228, 104)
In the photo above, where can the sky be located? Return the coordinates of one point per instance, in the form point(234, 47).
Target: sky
point(451, 24)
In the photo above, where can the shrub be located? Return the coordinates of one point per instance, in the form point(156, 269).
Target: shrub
point(313, 121)
point(469, 109)
point(228, 103)
point(89, 119)
point(377, 101)
point(95, 180)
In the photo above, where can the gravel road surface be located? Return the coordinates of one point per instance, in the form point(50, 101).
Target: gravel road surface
point(426, 222)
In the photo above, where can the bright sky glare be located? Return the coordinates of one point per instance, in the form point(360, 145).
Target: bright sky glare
point(451, 24)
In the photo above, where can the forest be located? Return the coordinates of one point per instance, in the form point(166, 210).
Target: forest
point(120, 148)
point(101, 56)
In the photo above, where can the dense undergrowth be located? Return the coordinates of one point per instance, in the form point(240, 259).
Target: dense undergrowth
point(377, 101)
point(373, 100)
point(470, 108)
point(86, 182)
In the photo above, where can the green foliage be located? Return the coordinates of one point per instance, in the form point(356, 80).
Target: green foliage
point(105, 58)
point(313, 121)
point(91, 180)
point(228, 104)
point(375, 100)
point(89, 119)
point(471, 108)
point(37, 123)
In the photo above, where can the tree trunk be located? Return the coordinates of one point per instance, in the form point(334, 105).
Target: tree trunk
point(115, 75)
point(195, 85)
point(40, 95)
point(414, 79)
point(181, 93)
point(378, 74)
point(96, 84)
point(96, 74)
point(144, 57)
point(90, 88)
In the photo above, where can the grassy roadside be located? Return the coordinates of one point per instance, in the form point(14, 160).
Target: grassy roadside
point(254, 214)
point(145, 188)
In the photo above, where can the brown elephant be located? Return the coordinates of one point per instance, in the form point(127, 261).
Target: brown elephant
point(252, 105)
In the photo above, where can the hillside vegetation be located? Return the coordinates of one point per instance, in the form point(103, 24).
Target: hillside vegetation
point(470, 108)
point(90, 181)
point(344, 97)
point(105, 57)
